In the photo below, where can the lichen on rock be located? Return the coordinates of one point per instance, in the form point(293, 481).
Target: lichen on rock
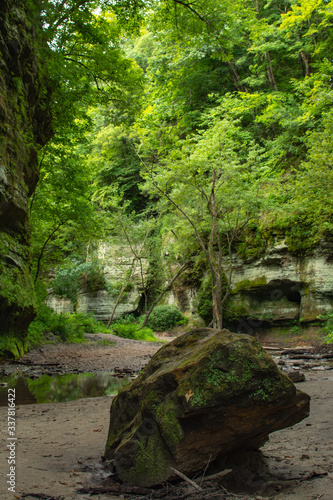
point(203, 396)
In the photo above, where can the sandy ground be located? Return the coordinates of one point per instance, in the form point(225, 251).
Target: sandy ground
point(59, 446)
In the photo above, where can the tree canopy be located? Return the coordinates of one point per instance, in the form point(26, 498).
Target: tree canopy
point(214, 117)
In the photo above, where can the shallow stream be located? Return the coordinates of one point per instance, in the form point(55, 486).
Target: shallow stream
point(60, 388)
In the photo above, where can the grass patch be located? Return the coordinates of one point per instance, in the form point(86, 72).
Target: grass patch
point(105, 342)
point(327, 328)
point(133, 331)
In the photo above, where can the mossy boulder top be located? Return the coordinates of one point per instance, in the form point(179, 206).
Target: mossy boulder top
point(206, 394)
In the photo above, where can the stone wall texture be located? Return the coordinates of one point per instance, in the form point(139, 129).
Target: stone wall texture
point(25, 125)
point(280, 287)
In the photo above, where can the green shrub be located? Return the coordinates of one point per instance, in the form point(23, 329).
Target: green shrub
point(89, 323)
point(68, 327)
point(75, 275)
point(204, 300)
point(133, 331)
point(164, 317)
point(127, 319)
point(328, 327)
point(11, 347)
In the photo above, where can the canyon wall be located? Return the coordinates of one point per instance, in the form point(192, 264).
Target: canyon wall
point(280, 288)
point(276, 289)
point(25, 125)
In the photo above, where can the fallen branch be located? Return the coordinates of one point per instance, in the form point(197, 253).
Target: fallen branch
point(43, 496)
point(218, 475)
point(31, 363)
point(185, 478)
point(204, 472)
point(287, 481)
point(312, 475)
point(116, 490)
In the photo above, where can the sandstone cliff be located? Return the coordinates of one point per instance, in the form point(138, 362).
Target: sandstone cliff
point(25, 125)
point(280, 288)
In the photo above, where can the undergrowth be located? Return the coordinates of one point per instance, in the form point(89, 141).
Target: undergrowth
point(12, 347)
point(67, 327)
point(164, 317)
point(133, 331)
point(328, 327)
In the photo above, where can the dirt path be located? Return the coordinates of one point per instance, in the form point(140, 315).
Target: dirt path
point(59, 445)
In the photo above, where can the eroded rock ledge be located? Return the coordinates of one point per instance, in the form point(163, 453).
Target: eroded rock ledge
point(201, 397)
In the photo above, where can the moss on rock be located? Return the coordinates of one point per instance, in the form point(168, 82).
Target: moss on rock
point(25, 125)
point(207, 393)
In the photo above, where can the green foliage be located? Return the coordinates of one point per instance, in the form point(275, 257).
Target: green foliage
point(230, 90)
point(65, 327)
point(85, 61)
point(89, 323)
point(75, 275)
point(204, 300)
point(105, 342)
point(116, 164)
point(133, 331)
point(164, 317)
point(327, 327)
point(12, 347)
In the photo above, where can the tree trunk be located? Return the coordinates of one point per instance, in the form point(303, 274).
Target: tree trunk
point(156, 301)
point(306, 61)
point(270, 72)
point(120, 296)
point(41, 253)
point(121, 293)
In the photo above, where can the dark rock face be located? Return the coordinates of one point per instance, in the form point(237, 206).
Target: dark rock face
point(25, 124)
point(203, 396)
point(279, 288)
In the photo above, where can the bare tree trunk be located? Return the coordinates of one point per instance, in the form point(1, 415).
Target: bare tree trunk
point(306, 61)
point(137, 257)
point(41, 253)
point(270, 72)
point(121, 293)
point(156, 301)
point(120, 296)
point(237, 81)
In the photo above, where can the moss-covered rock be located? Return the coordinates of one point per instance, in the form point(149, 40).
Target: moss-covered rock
point(203, 396)
point(25, 125)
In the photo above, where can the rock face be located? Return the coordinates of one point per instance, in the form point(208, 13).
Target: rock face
point(281, 288)
point(204, 395)
point(118, 262)
point(24, 125)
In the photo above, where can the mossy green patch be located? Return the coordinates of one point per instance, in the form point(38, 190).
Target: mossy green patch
point(203, 374)
point(167, 418)
point(148, 464)
point(247, 284)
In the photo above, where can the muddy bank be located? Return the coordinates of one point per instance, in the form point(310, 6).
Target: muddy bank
point(123, 355)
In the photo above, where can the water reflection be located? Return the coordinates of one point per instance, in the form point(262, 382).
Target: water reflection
point(60, 388)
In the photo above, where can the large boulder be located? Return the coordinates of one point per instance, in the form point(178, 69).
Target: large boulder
point(206, 394)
